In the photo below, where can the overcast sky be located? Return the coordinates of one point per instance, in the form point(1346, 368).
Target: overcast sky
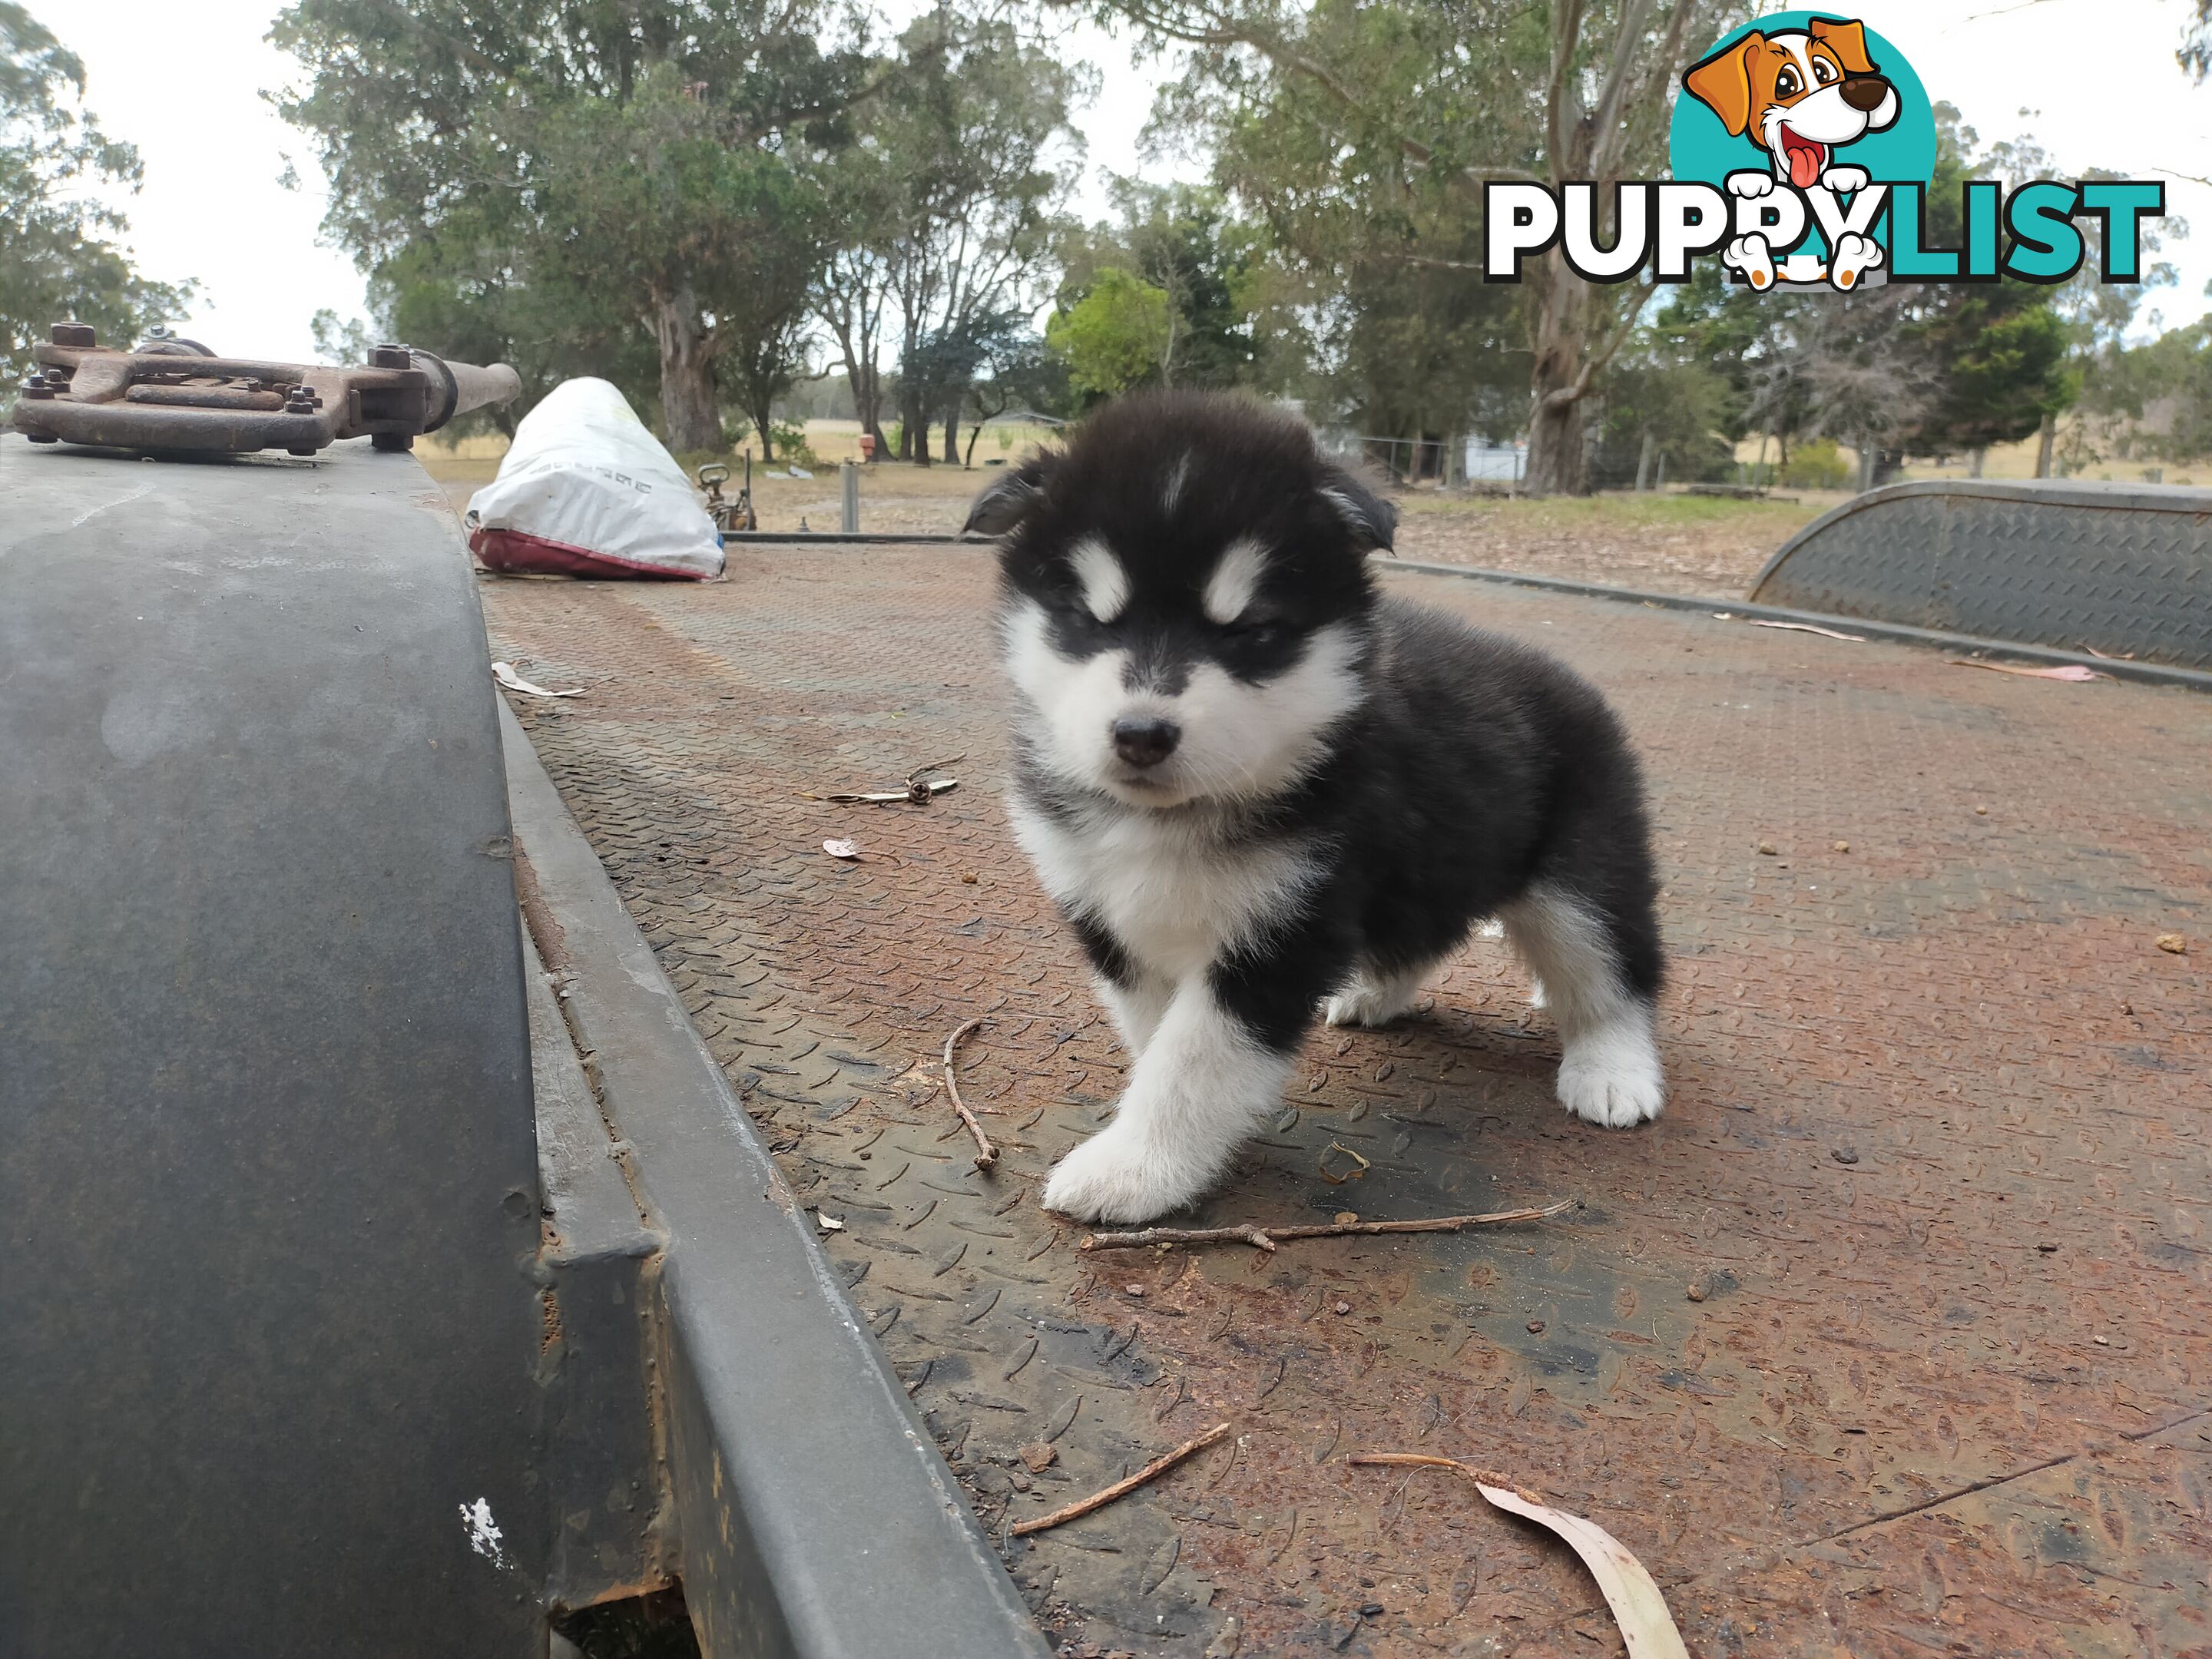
point(2094, 80)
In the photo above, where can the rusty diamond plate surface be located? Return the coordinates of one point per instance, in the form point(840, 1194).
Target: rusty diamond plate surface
point(1890, 1338)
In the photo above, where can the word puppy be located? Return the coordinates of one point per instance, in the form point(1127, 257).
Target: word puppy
point(1256, 786)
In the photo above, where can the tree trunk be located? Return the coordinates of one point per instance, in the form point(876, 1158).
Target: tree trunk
point(952, 435)
point(1555, 450)
point(1644, 464)
point(2044, 436)
point(687, 376)
point(1559, 382)
point(974, 433)
point(914, 430)
point(1975, 457)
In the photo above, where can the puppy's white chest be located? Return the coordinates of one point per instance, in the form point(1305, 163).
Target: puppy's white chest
point(1173, 897)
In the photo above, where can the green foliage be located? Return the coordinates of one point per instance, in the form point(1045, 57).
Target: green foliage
point(2150, 401)
point(1182, 240)
point(974, 139)
point(588, 176)
point(57, 258)
point(786, 442)
point(1116, 337)
point(1817, 466)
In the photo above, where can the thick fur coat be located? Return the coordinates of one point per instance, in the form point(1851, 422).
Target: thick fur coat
point(1260, 792)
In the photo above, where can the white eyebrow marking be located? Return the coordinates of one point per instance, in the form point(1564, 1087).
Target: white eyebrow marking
point(1229, 589)
point(1178, 474)
point(1105, 583)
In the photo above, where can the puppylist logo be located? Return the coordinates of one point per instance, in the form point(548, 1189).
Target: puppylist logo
point(1802, 147)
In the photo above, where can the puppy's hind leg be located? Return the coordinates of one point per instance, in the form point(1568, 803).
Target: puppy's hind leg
point(1374, 996)
point(1600, 974)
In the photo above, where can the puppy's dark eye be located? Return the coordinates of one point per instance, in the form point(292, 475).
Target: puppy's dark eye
point(1256, 630)
point(1823, 71)
point(1786, 84)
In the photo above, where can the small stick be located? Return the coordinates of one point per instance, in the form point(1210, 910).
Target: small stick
point(1127, 1483)
point(985, 1153)
point(1264, 1237)
point(1427, 1461)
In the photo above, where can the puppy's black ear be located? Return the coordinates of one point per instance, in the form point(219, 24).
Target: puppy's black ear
point(1372, 520)
point(1000, 509)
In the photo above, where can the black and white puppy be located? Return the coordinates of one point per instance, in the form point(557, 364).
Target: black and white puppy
point(1256, 786)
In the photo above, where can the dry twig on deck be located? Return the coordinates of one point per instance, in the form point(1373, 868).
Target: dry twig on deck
point(1127, 1483)
point(985, 1153)
point(1264, 1237)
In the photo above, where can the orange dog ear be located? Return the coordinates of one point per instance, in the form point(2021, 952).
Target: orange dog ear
point(1723, 81)
point(1846, 40)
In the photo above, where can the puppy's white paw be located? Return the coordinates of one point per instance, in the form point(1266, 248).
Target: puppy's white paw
point(1363, 1004)
point(1856, 255)
point(1750, 255)
point(1845, 180)
point(1612, 1076)
point(1750, 185)
point(1115, 1176)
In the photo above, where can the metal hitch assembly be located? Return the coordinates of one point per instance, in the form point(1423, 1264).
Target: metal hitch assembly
point(175, 395)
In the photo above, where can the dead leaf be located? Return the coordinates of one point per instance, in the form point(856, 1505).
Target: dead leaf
point(830, 1223)
point(840, 850)
point(1331, 1176)
point(1039, 1455)
point(505, 674)
point(2072, 670)
point(2173, 944)
point(1638, 1607)
point(1807, 628)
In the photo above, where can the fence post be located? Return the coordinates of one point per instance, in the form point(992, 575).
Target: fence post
point(1644, 464)
point(848, 480)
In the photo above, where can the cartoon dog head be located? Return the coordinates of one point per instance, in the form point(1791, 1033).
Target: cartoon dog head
point(1801, 94)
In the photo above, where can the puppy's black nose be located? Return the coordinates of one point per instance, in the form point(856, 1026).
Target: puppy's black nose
point(1865, 91)
point(1145, 742)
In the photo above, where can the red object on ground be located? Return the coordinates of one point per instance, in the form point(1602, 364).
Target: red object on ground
point(514, 552)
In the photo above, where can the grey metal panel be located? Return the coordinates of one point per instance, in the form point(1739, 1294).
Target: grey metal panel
point(2145, 673)
point(817, 1517)
point(2121, 568)
point(615, 1532)
point(268, 1197)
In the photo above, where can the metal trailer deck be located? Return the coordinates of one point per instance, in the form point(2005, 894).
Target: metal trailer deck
point(1890, 1338)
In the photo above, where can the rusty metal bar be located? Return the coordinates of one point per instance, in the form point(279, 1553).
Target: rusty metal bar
point(167, 401)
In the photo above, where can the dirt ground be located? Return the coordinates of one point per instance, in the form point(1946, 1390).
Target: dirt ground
point(1664, 542)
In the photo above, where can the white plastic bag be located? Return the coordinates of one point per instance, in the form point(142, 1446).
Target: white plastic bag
point(586, 490)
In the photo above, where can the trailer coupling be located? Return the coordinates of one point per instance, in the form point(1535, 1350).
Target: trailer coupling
point(175, 395)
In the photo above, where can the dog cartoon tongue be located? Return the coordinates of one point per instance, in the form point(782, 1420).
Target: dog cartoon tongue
point(1804, 158)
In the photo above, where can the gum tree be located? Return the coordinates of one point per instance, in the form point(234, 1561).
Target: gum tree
point(642, 166)
point(1378, 123)
point(59, 258)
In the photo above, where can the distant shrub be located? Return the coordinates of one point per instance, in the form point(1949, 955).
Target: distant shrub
point(1817, 466)
point(790, 445)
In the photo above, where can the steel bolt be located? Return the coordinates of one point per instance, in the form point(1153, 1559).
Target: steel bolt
point(389, 355)
point(73, 334)
point(38, 389)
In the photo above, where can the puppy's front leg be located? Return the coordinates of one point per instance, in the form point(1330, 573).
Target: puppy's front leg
point(1202, 1084)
